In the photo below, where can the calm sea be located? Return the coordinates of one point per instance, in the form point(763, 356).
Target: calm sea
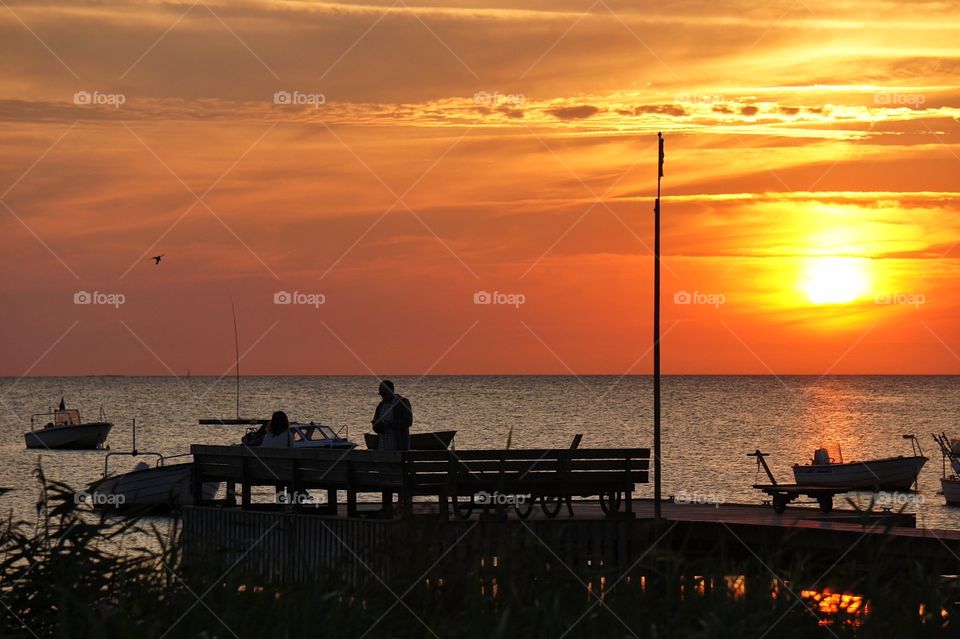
point(710, 423)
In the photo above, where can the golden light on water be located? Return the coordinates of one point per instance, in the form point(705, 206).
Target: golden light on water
point(836, 280)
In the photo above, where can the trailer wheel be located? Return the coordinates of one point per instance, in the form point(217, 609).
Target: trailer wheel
point(779, 503)
point(551, 505)
point(826, 503)
point(523, 510)
point(610, 501)
point(463, 505)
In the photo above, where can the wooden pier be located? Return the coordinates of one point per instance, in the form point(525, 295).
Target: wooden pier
point(586, 518)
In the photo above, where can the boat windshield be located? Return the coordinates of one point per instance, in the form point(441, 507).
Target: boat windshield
point(69, 417)
point(328, 432)
point(312, 432)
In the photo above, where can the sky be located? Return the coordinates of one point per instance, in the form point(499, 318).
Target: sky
point(463, 187)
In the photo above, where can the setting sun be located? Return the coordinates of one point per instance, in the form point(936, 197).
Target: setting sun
point(836, 280)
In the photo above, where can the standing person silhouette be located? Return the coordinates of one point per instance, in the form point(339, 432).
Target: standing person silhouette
point(392, 419)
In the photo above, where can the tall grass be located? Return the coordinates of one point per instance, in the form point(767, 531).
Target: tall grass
point(72, 573)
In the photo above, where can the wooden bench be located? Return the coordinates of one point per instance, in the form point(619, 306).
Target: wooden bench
point(298, 469)
point(509, 478)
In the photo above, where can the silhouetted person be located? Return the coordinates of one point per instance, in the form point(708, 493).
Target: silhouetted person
point(392, 419)
point(278, 433)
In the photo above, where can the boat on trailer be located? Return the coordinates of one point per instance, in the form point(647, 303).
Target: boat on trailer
point(65, 430)
point(889, 473)
point(949, 483)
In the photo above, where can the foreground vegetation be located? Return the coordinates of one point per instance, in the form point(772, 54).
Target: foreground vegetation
point(75, 574)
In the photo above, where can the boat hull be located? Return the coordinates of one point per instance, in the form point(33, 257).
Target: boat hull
point(439, 440)
point(892, 473)
point(160, 487)
point(79, 437)
point(951, 490)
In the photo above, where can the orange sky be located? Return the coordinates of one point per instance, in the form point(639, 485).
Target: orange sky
point(810, 215)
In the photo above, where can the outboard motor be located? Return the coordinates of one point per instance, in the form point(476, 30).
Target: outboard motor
point(821, 457)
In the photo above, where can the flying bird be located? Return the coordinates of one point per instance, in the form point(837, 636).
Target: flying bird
point(157, 258)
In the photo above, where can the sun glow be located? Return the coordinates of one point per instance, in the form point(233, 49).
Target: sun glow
point(835, 280)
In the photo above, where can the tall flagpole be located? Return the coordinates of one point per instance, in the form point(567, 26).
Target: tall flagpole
point(656, 339)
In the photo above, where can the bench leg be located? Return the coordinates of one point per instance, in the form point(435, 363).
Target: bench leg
point(444, 504)
point(386, 503)
point(352, 504)
point(331, 501)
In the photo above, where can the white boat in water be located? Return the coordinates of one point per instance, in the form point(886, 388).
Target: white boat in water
point(888, 473)
point(65, 430)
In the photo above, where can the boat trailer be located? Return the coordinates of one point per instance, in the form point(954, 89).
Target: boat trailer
point(783, 494)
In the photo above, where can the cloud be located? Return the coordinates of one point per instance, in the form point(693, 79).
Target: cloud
point(574, 112)
point(666, 109)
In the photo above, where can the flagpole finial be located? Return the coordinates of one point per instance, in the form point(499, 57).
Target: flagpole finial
point(660, 167)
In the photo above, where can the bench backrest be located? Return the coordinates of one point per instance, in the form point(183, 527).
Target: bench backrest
point(573, 466)
point(306, 467)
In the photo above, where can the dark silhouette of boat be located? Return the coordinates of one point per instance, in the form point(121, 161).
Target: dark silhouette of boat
point(439, 440)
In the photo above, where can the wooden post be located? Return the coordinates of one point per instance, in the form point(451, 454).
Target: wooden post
point(196, 479)
point(332, 501)
point(406, 494)
point(245, 499)
point(351, 492)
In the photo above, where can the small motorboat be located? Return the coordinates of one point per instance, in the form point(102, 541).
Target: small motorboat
point(65, 430)
point(163, 486)
point(160, 487)
point(439, 440)
point(888, 473)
